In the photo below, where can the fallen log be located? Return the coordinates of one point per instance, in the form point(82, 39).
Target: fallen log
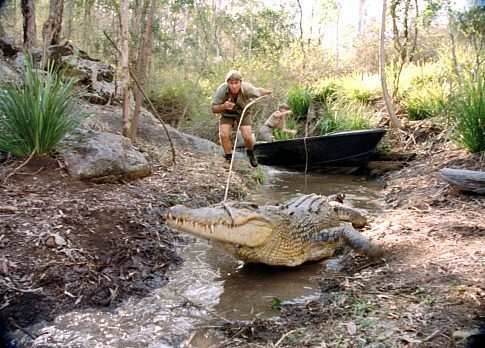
point(465, 180)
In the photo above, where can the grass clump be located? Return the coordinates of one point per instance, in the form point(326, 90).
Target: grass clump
point(345, 116)
point(36, 113)
point(468, 112)
point(360, 88)
point(424, 102)
point(299, 100)
point(325, 91)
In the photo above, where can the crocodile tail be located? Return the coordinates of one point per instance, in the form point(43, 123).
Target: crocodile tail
point(360, 244)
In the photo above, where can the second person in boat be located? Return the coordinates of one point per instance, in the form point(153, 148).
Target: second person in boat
point(276, 121)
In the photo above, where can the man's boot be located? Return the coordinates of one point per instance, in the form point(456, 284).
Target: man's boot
point(252, 158)
point(227, 164)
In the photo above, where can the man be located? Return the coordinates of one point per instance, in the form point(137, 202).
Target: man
point(276, 121)
point(229, 100)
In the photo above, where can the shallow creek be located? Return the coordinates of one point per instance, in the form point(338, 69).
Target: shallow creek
point(220, 285)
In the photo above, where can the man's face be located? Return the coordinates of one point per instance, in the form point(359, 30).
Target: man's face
point(234, 86)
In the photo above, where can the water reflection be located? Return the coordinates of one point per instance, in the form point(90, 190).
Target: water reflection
point(211, 279)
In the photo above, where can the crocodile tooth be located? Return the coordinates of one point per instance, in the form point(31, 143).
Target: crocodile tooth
point(212, 229)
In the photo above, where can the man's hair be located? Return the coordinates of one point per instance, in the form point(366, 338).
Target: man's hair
point(233, 75)
point(283, 106)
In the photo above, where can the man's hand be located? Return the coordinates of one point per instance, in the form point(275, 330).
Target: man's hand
point(229, 104)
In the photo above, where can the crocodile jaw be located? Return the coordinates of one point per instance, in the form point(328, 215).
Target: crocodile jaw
point(241, 227)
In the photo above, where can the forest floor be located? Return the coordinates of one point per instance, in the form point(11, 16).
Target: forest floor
point(67, 244)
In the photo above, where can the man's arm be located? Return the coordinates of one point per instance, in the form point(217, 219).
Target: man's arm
point(265, 91)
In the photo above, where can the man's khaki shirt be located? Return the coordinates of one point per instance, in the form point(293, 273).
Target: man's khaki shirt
point(247, 93)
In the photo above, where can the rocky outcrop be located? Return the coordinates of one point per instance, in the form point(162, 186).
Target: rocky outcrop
point(96, 76)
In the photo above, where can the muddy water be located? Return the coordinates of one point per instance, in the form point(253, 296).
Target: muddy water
point(223, 288)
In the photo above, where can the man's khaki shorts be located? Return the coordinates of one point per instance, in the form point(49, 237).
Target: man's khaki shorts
point(234, 121)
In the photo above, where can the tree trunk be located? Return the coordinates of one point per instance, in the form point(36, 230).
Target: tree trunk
point(360, 24)
point(30, 29)
point(301, 34)
point(452, 42)
point(125, 69)
point(142, 69)
point(87, 24)
point(382, 66)
point(68, 26)
point(51, 31)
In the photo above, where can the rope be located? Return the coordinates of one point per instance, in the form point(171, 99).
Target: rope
point(235, 143)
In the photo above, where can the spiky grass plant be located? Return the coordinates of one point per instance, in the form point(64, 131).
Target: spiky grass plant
point(36, 113)
point(299, 100)
point(362, 88)
point(343, 116)
point(468, 113)
point(419, 76)
point(325, 91)
point(423, 102)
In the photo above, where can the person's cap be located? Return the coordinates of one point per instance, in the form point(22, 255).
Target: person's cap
point(233, 75)
point(283, 106)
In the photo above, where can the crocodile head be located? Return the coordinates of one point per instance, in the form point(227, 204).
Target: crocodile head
point(235, 222)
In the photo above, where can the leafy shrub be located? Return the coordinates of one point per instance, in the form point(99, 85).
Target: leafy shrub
point(469, 115)
point(299, 100)
point(343, 116)
point(170, 100)
point(361, 88)
point(36, 113)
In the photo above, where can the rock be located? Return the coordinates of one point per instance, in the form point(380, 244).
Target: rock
point(7, 47)
point(102, 157)
point(150, 130)
point(465, 180)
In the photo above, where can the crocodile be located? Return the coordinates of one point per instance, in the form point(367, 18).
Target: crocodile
point(303, 228)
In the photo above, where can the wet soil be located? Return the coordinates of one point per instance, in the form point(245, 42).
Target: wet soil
point(67, 244)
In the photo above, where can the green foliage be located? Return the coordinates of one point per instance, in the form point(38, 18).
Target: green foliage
point(275, 304)
point(174, 200)
point(471, 23)
point(178, 103)
point(423, 102)
point(325, 91)
point(420, 76)
point(343, 116)
point(361, 88)
point(270, 31)
point(299, 100)
point(257, 177)
point(38, 112)
point(468, 112)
